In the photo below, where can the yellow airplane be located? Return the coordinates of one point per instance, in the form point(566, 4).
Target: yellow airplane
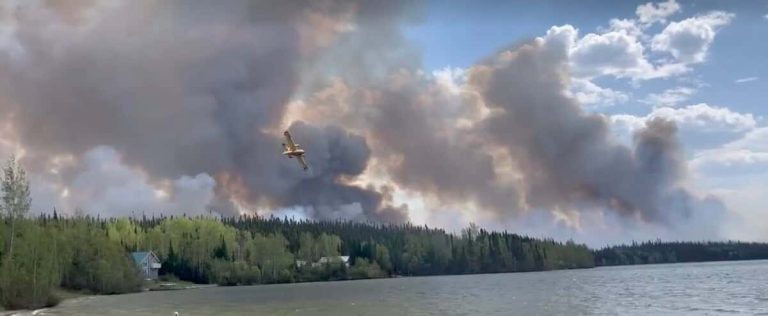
point(293, 150)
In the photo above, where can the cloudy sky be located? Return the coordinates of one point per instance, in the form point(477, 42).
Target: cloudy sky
point(601, 121)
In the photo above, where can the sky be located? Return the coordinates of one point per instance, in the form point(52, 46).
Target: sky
point(597, 121)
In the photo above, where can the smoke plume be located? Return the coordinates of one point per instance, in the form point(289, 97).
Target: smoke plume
point(181, 88)
point(510, 139)
point(567, 156)
point(191, 97)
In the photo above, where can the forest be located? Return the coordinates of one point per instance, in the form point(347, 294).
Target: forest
point(41, 255)
point(673, 252)
point(92, 254)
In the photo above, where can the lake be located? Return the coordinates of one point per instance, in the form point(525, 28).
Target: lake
point(711, 288)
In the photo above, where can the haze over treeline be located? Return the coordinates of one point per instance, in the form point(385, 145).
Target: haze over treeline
point(178, 107)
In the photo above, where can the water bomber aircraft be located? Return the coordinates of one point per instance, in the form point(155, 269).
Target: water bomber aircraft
point(292, 150)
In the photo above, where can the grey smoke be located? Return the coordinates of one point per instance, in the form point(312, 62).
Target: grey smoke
point(335, 153)
point(564, 157)
point(179, 88)
point(568, 156)
point(182, 88)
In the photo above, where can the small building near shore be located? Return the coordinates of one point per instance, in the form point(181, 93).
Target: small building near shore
point(148, 263)
point(325, 261)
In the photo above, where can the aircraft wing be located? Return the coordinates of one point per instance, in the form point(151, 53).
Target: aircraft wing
point(302, 162)
point(289, 141)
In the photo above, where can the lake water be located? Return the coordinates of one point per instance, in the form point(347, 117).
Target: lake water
point(713, 288)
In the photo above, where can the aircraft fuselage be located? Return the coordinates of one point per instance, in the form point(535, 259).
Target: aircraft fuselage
point(294, 153)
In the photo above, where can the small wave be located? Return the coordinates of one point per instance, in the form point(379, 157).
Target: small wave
point(717, 310)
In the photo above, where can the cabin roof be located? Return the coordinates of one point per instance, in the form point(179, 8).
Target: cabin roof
point(140, 257)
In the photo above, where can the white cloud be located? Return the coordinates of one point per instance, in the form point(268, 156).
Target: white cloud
point(669, 97)
point(706, 117)
point(750, 149)
point(748, 79)
point(590, 94)
point(728, 157)
point(747, 203)
point(622, 50)
point(627, 122)
point(689, 40)
point(615, 53)
point(450, 78)
point(700, 117)
point(650, 13)
point(628, 26)
point(561, 38)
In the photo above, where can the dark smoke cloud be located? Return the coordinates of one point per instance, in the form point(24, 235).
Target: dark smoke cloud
point(201, 88)
point(428, 152)
point(181, 88)
point(335, 154)
point(562, 158)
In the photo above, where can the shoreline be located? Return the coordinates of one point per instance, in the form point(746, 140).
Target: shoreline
point(63, 295)
point(175, 287)
point(70, 296)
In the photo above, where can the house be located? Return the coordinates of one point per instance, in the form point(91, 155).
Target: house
point(343, 259)
point(325, 260)
point(148, 264)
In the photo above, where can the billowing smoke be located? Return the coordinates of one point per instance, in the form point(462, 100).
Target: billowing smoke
point(191, 96)
point(181, 88)
point(337, 154)
point(567, 156)
point(510, 139)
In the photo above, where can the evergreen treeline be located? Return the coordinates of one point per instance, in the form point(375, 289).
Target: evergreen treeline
point(247, 250)
point(91, 254)
point(671, 252)
point(38, 255)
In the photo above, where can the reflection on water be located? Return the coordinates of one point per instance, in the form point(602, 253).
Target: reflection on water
point(674, 289)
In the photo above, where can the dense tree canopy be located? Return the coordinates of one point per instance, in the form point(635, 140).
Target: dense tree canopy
point(672, 252)
point(92, 254)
